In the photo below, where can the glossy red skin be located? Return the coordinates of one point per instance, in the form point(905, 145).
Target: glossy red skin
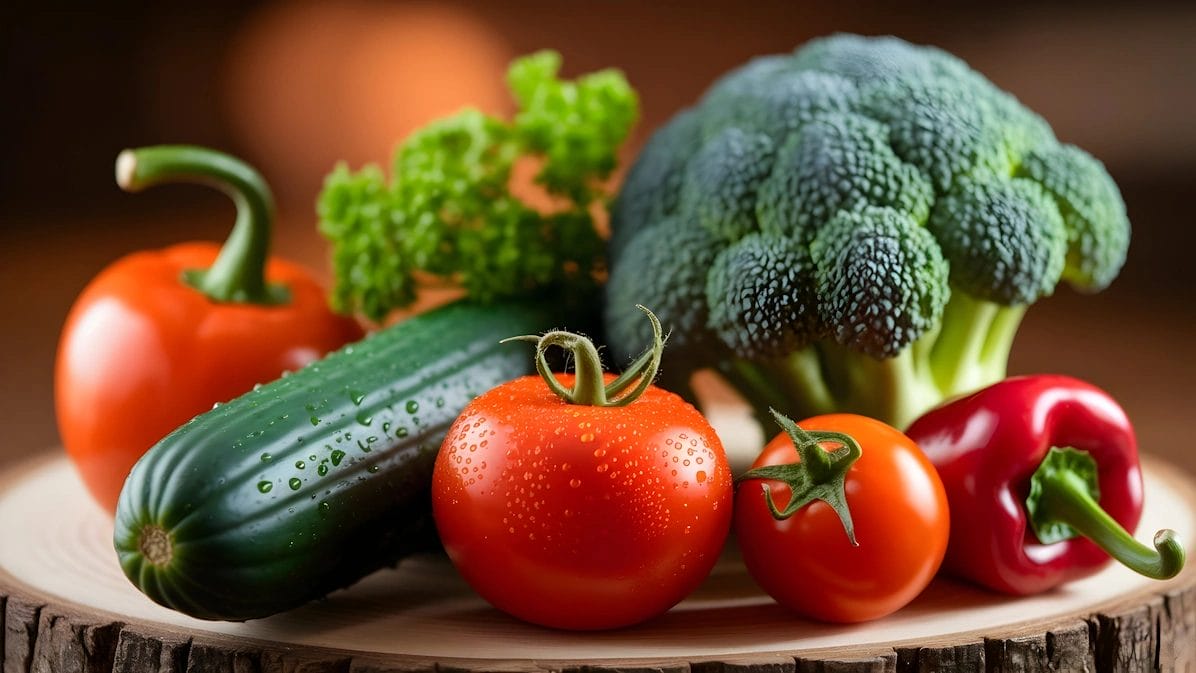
point(581, 517)
point(986, 447)
point(806, 562)
point(142, 353)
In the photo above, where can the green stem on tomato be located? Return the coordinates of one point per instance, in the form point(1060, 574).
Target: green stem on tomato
point(589, 385)
point(239, 273)
point(819, 474)
point(1063, 503)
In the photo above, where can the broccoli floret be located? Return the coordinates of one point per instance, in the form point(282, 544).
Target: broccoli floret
point(720, 183)
point(833, 163)
point(881, 278)
point(776, 103)
point(1098, 229)
point(1004, 239)
point(761, 296)
point(867, 220)
point(675, 288)
point(652, 188)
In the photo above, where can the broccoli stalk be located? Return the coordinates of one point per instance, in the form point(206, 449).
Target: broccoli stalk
point(448, 213)
point(858, 226)
point(971, 348)
point(968, 352)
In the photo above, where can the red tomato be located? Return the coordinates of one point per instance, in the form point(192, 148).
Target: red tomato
point(581, 517)
point(806, 562)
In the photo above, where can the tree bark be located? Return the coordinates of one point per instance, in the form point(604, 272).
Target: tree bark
point(1155, 633)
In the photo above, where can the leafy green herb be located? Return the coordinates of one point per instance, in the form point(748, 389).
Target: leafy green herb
point(447, 211)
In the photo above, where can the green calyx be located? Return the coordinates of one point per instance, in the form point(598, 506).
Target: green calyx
point(590, 387)
point(239, 273)
point(819, 475)
point(1064, 503)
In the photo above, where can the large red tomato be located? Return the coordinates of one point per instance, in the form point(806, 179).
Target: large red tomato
point(807, 562)
point(578, 516)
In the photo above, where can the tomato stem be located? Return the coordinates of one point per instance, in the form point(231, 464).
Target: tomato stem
point(818, 475)
point(589, 386)
point(239, 273)
point(1063, 504)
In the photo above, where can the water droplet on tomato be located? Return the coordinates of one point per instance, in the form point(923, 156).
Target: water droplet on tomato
point(575, 482)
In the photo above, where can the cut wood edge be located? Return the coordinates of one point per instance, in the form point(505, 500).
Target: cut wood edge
point(1154, 629)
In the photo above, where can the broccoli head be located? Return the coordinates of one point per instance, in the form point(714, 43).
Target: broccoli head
point(856, 226)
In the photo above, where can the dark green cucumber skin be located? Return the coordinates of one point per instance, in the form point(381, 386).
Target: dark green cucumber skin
point(308, 483)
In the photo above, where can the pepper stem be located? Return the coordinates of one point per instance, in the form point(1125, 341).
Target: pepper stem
point(1063, 503)
point(239, 272)
point(589, 386)
point(819, 475)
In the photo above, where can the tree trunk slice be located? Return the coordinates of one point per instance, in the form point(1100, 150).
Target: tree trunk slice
point(65, 606)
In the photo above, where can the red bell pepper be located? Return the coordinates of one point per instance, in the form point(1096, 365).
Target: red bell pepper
point(160, 336)
point(1043, 482)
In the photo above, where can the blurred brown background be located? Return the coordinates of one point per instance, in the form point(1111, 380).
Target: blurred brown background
point(296, 86)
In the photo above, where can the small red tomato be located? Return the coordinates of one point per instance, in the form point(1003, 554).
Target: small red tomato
point(579, 515)
point(897, 507)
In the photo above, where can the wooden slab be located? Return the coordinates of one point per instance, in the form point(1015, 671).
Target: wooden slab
point(66, 606)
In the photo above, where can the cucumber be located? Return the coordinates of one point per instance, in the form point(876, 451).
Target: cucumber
point(308, 483)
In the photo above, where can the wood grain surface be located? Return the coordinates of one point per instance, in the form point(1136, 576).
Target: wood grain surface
point(66, 607)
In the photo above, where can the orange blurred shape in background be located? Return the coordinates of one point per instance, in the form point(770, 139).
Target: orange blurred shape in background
point(308, 84)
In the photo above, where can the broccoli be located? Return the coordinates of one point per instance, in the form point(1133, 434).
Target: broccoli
point(856, 226)
point(448, 211)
